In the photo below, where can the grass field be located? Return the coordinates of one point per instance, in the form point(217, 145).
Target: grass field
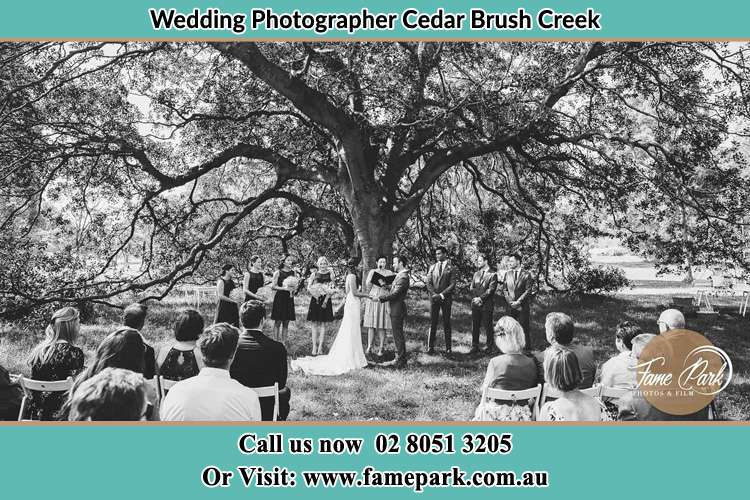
point(432, 387)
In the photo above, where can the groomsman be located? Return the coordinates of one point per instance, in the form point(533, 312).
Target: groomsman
point(483, 287)
point(441, 281)
point(517, 292)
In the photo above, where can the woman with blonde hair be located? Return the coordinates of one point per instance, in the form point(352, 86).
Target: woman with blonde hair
point(55, 358)
point(562, 372)
point(320, 312)
point(512, 370)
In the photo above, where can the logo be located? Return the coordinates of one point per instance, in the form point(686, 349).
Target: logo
point(680, 372)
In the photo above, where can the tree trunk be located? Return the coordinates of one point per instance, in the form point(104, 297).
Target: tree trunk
point(686, 246)
point(378, 241)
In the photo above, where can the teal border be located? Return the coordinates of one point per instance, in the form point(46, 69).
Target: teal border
point(632, 19)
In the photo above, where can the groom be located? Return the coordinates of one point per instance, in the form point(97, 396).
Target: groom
point(397, 301)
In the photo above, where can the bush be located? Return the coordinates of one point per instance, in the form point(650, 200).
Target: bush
point(597, 280)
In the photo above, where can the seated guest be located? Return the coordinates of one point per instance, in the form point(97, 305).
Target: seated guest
point(182, 358)
point(122, 348)
point(261, 361)
point(633, 406)
point(670, 319)
point(10, 396)
point(113, 394)
point(212, 395)
point(134, 317)
point(56, 358)
point(618, 371)
point(511, 371)
point(559, 329)
point(562, 372)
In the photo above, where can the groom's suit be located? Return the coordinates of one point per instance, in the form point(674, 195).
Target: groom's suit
point(397, 301)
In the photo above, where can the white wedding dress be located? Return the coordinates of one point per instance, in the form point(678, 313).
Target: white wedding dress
point(346, 353)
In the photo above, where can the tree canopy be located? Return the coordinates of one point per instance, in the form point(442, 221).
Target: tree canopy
point(177, 155)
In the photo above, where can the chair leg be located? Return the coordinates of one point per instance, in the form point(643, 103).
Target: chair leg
point(22, 410)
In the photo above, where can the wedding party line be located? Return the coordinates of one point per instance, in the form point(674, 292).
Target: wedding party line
point(233, 371)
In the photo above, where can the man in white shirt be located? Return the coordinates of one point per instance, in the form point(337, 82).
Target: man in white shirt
point(212, 395)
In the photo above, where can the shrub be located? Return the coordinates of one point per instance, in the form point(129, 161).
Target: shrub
point(597, 280)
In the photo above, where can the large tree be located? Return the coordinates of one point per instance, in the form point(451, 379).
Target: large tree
point(165, 149)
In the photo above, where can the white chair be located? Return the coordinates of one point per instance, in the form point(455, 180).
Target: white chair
point(268, 392)
point(550, 392)
point(594, 391)
point(30, 385)
point(613, 392)
point(524, 395)
point(163, 385)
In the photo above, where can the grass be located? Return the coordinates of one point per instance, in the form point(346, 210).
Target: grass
point(432, 387)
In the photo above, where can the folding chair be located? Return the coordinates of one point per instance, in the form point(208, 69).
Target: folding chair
point(550, 392)
point(490, 393)
point(267, 392)
point(613, 392)
point(30, 385)
point(163, 385)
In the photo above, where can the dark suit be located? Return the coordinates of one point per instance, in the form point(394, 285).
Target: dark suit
point(483, 286)
point(259, 362)
point(10, 397)
point(149, 360)
point(584, 355)
point(441, 282)
point(633, 406)
point(397, 301)
point(517, 286)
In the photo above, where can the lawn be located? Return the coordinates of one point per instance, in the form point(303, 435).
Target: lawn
point(432, 387)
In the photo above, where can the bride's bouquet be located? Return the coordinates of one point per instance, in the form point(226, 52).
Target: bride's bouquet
point(291, 282)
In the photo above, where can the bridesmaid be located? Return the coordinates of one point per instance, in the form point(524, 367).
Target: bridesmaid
point(377, 314)
point(253, 279)
point(282, 311)
point(320, 312)
point(227, 311)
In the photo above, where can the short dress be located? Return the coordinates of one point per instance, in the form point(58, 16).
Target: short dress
point(377, 314)
point(227, 312)
point(255, 282)
point(179, 365)
point(318, 312)
point(283, 302)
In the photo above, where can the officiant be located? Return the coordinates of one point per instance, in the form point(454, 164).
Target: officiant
point(378, 314)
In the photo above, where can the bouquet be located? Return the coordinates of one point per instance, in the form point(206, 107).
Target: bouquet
point(238, 295)
point(265, 293)
point(291, 282)
point(318, 290)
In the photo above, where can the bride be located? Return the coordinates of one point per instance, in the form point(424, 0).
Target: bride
point(346, 352)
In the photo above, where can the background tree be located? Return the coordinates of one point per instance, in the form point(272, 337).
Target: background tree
point(169, 152)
